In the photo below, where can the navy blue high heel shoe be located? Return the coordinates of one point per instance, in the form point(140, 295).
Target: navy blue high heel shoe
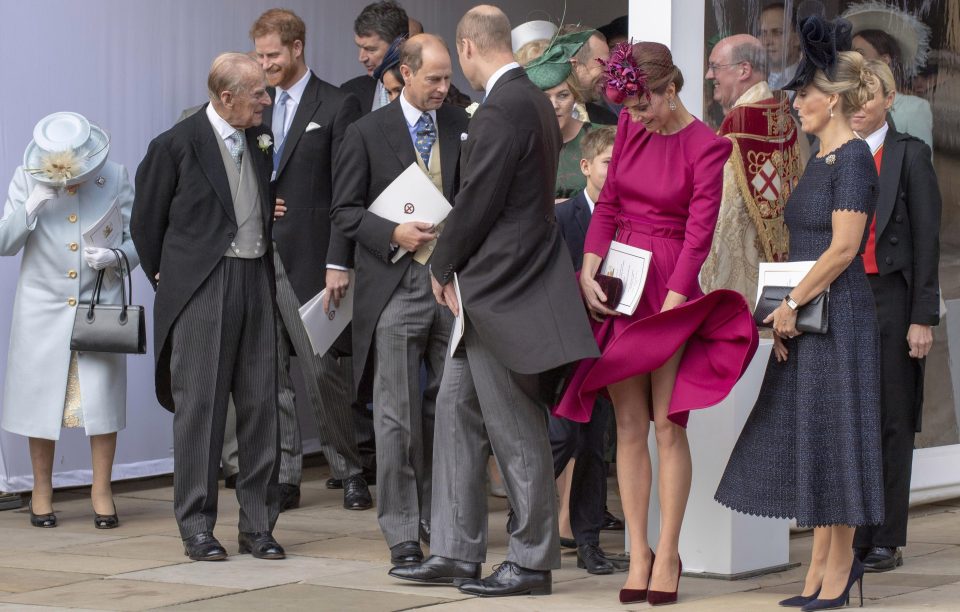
point(798, 601)
point(856, 576)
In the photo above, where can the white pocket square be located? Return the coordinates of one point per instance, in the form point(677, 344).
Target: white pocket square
point(312, 126)
point(463, 136)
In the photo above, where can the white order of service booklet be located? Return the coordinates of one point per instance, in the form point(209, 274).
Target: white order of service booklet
point(323, 328)
point(781, 274)
point(412, 196)
point(631, 265)
point(107, 231)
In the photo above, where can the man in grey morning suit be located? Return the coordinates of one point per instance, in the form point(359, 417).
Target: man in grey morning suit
point(200, 221)
point(396, 320)
point(308, 119)
point(524, 317)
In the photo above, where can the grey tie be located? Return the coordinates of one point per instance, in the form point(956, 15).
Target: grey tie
point(236, 147)
point(280, 130)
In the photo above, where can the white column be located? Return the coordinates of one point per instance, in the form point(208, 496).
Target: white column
point(679, 25)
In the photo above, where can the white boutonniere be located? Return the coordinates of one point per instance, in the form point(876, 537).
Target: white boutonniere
point(472, 109)
point(264, 142)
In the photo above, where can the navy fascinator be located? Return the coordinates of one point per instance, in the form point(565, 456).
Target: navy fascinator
point(390, 59)
point(821, 41)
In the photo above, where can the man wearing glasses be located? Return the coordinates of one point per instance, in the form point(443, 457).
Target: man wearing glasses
point(765, 163)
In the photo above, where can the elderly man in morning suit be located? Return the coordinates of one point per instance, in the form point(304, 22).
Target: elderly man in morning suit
point(201, 221)
point(524, 317)
point(766, 163)
point(397, 324)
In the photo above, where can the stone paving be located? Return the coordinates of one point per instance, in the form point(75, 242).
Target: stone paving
point(337, 560)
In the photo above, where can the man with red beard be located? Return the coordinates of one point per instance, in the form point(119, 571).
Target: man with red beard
point(308, 120)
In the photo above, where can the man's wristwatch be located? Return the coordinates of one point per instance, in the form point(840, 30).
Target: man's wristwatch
point(791, 303)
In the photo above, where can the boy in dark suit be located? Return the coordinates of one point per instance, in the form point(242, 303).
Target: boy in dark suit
point(574, 214)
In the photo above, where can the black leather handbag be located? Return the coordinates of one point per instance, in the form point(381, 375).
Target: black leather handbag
point(111, 328)
point(811, 317)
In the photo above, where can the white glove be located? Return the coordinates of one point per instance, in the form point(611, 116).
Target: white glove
point(38, 197)
point(98, 258)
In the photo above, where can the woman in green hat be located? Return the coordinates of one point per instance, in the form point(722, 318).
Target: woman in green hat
point(548, 67)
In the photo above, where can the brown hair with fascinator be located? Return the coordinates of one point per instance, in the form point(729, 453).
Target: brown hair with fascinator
point(656, 61)
point(637, 69)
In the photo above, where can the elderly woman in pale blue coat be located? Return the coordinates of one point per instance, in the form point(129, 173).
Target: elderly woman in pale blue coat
point(47, 385)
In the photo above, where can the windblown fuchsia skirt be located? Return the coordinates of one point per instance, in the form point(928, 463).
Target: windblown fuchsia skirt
point(717, 330)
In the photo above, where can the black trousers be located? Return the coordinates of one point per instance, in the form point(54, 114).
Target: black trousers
point(224, 342)
point(901, 385)
point(588, 488)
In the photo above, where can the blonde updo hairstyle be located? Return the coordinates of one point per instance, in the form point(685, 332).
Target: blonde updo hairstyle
point(880, 69)
point(854, 83)
point(534, 49)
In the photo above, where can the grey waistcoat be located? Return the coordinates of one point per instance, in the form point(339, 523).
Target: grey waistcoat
point(249, 242)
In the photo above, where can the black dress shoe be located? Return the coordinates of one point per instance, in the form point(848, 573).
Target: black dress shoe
point(230, 482)
point(425, 531)
point(882, 559)
point(592, 558)
point(406, 553)
point(507, 579)
point(356, 494)
point(568, 543)
point(611, 522)
point(289, 496)
point(204, 547)
point(370, 476)
point(438, 570)
point(261, 545)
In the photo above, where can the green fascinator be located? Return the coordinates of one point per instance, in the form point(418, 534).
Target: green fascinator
point(553, 67)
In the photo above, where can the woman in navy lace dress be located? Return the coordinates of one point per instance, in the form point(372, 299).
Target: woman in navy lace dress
point(811, 447)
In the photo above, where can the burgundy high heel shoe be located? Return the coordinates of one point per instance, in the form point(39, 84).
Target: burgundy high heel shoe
point(659, 598)
point(629, 596)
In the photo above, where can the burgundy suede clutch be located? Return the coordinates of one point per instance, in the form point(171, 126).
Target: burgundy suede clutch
point(612, 287)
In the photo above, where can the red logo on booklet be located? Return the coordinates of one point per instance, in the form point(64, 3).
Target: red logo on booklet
point(331, 314)
point(408, 208)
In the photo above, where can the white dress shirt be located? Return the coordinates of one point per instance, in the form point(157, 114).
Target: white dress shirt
point(875, 140)
point(412, 115)
point(590, 202)
point(496, 76)
point(220, 125)
point(293, 102)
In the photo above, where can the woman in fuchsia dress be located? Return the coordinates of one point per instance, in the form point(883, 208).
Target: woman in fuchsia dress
point(681, 350)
